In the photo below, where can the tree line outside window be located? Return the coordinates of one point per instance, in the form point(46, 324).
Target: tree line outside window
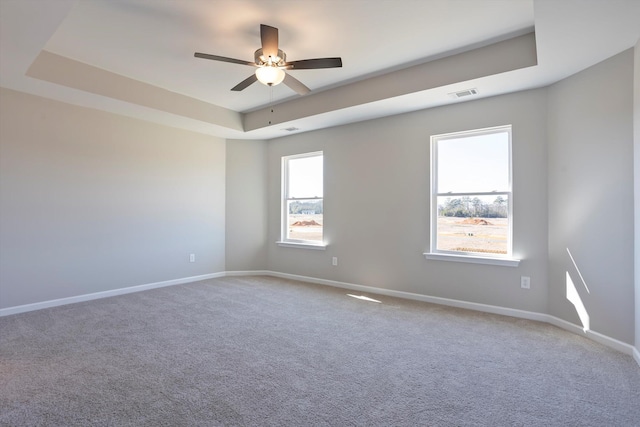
point(467, 207)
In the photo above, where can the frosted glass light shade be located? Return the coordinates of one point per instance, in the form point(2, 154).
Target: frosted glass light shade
point(269, 75)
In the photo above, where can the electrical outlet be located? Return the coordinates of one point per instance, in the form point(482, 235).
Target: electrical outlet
point(525, 282)
point(334, 261)
point(192, 258)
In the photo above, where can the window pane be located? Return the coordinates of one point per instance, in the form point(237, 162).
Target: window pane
point(304, 219)
point(478, 163)
point(305, 177)
point(473, 224)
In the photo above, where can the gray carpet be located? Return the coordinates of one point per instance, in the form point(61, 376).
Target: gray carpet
point(261, 351)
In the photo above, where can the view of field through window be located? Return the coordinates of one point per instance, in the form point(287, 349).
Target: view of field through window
point(472, 191)
point(304, 203)
point(473, 224)
point(305, 220)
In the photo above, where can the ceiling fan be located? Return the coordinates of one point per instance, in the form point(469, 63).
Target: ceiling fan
point(271, 63)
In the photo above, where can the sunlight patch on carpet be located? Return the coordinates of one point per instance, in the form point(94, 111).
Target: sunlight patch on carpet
point(362, 297)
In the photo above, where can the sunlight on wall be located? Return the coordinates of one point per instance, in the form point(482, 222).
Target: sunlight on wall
point(574, 298)
point(578, 271)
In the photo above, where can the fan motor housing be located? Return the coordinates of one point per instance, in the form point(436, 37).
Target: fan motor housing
point(262, 60)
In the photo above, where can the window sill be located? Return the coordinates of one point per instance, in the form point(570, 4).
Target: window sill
point(317, 247)
point(505, 262)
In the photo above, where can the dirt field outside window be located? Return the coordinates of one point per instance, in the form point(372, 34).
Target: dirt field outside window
point(305, 227)
point(483, 235)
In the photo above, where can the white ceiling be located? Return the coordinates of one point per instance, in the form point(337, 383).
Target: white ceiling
point(152, 42)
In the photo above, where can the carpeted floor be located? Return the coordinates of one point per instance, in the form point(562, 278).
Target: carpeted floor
point(261, 351)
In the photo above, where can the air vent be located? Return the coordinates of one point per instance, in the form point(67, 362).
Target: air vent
point(464, 93)
point(291, 129)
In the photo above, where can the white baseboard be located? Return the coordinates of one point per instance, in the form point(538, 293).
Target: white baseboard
point(104, 294)
point(522, 314)
point(592, 335)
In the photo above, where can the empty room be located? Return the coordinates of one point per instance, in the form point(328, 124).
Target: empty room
point(320, 213)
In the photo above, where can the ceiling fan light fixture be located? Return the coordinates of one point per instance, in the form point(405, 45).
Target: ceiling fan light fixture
point(271, 64)
point(270, 75)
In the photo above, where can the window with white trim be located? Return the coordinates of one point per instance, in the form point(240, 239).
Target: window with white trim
point(471, 196)
point(302, 199)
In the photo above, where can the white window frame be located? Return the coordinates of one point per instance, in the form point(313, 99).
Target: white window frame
point(284, 240)
point(472, 257)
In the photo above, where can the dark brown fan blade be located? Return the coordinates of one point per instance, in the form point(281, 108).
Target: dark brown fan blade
point(222, 58)
point(269, 38)
point(245, 83)
point(312, 64)
point(296, 85)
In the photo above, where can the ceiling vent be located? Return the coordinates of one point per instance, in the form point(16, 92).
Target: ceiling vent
point(464, 93)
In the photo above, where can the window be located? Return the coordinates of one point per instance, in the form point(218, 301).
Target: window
point(302, 197)
point(471, 200)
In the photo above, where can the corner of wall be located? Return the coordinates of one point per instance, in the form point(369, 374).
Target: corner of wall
point(246, 205)
point(636, 171)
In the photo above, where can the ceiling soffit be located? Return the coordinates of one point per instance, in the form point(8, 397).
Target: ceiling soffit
point(508, 55)
point(501, 57)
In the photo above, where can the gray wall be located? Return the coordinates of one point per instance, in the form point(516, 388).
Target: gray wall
point(91, 201)
point(590, 132)
point(636, 168)
point(246, 228)
point(376, 207)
